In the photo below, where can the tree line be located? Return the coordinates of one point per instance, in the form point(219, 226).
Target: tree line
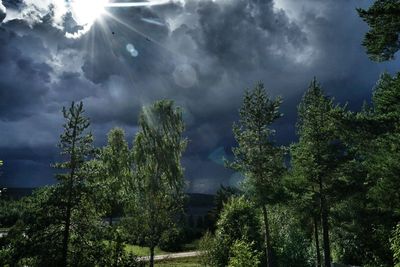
point(332, 194)
point(64, 224)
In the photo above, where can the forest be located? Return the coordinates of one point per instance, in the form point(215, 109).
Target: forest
point(331, 198)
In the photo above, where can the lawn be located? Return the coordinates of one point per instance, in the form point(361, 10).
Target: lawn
point(145, 251)
point(182, 262)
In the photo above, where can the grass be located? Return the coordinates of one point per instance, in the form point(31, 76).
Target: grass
point(181, 262)
point(143, 251)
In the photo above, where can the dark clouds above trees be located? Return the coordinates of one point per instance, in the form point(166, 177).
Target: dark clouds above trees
point(202, 54)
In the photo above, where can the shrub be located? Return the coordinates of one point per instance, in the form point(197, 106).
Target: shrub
point(171, 240)
point(243, 255)
point(290, 241)
point(239, 221)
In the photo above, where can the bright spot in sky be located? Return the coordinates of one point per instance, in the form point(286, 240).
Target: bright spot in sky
point(85, 12)
point(185, 76)
point(132, 50)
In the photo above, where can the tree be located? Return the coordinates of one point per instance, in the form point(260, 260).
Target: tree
point(304, 201)
point(76, 146)
point(256, 155)
point(379, 142)
point(159, 177)
point(222, 196)
point(318, 155)
point(117, 170)
point(383, 17)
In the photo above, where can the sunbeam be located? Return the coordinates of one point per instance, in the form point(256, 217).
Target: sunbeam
point(86, 12)
point(138, 4)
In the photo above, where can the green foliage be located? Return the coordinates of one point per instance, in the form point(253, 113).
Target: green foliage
point(60, 225)
point(318, 159)
point(10, 212)
point(256, 155)
point(289, 235)
point(208, 249)
point(116, 172)
point(172, 239)
point(239, 221)
point(383, 18)
point(395, 245)
point(243, 255)
point(158, 201)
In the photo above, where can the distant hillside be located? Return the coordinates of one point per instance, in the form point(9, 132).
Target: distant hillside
point(197, 199)
point(199, 205)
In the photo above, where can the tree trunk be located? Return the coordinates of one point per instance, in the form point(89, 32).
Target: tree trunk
point(152, 256)
point(316, 237)
point(325, 235)
point(66, 232)
point(267, 238)
point(69, 202)
point(325, 226)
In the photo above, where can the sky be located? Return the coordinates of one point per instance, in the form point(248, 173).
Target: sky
point(202, 54)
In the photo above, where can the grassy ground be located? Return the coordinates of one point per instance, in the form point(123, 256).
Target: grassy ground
point(143, 251)
point(182, 262)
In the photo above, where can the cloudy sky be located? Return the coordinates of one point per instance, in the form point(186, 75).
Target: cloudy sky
point(202, 54)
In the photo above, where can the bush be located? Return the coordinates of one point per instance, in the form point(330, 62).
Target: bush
point(290, 242)
point(243, 255)
point(239, 221)
point(213, 251)
point(172, 240)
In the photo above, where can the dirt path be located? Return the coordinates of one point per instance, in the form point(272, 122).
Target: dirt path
point(172, 256)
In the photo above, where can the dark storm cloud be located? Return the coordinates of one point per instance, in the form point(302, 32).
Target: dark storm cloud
point(23, 81)
point(202, 54)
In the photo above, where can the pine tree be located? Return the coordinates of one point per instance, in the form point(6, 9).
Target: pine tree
point(318, 155)
point(76, 146)
point(383, 17)
point(256, 155)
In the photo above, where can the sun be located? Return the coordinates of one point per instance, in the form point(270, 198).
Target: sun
point(85, 12)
